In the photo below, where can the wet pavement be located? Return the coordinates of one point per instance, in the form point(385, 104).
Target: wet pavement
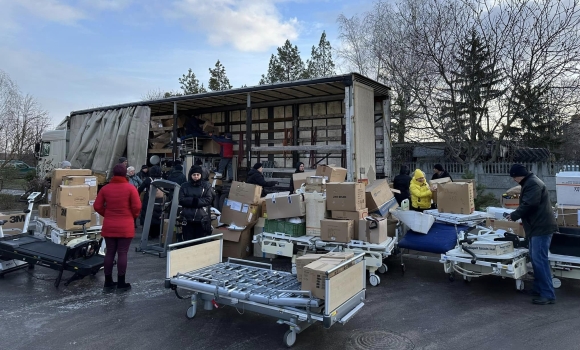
point(418, 310)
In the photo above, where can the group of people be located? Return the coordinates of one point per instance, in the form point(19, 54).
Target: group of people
point(415, 188)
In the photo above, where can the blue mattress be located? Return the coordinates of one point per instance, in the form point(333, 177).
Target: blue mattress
point(440, 239)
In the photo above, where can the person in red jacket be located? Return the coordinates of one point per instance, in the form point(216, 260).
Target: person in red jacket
point(226, 153)
point(118, 202)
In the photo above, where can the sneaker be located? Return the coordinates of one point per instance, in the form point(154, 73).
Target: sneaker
point(543, 301)
point(218, 175)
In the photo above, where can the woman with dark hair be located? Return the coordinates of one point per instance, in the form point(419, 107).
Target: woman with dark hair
point(119, 204)
point(154, 229)
point(402, 182)
point(195, 197)
point(299, 169)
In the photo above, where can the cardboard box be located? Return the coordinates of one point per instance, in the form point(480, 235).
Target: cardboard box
point(90, 181)
point(568, 187)
point(568, 215)
point(509, 226)
point(392, 227)
point(58, 174)
point(263, 208)
point(208, 127)
point(211, 147)
point(512, 203)
point(315, 188)
point(164, 232)
point(336, 230)
point(283, 207)
point(332, 173)
point(314, 276)
point(339, 255)
point(237, 244)
point(67, 196)
point(245, 193)
point(349, 215)
point(455, 198)
point(348, 196)
point(66, 216)
point(316, 211)
point(435, 183)
point(44, 211)
point(300, 178)
point(474, 185)
point(377, 194)
point(14, 221)
point(304, 260)
point(491, 247)
point(375, 232)
point(239, 214)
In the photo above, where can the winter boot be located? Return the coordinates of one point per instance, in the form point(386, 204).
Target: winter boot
point(109, 284)
point(122, 286)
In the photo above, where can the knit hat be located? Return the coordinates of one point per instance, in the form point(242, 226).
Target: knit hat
point(143, 167)
point(122, 160)
point(120, 170)
point(518, 170)
point(257, 166)
point(196, 169)
point(177, 162)
point(65, 163)
point(439, 167)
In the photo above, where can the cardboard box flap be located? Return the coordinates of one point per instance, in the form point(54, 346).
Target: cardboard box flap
point(232, 236)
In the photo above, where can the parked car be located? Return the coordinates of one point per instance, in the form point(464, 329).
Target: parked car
point(22, 169)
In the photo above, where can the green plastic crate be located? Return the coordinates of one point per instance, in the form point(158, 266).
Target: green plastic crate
point(291, 229)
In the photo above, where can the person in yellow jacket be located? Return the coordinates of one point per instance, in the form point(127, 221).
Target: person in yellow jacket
point(420, 192)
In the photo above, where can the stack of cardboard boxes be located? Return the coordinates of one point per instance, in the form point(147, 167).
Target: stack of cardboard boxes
point(73, 192)
point(568, 198)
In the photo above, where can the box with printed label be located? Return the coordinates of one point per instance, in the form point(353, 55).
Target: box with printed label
point(239, 214)
point(331, 173)
point(14, 221)
point(350, 215)
point(510, 203)
point(282, 207)
point(568, 215)
point(245, 193)
point(347, 196)
point(455, 198)
point(375, 231)
point(336, 230)
point(58, 174)
point(491, 247)
point(72, 195)
point(66, 216)
point(316, 211)
point(91, 181)
point(568, 188)
point(315, 275)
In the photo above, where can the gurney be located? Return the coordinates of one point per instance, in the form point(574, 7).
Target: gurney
point(82, 259)
point(253, 286)
point(565, 255)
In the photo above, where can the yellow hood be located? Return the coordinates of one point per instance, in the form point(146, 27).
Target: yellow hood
point(418, 174)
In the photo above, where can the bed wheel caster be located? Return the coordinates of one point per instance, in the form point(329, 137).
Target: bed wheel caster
point(519, 285)
point(451, 277)
point(374, 280)
point(190, 313)
point(466, 279)
point(556, 283)
point(403, 268)
point(383, 268)
point(289, 338)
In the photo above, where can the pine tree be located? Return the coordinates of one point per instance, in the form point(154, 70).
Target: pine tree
point(218, 79)
point(287, 65)
point(190, 84)
point(320, 63)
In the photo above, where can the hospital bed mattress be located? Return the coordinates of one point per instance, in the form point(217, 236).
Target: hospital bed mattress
point(440, 239)
point(566, 242)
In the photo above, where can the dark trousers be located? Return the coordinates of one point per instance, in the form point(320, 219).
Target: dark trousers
point(119, 247)
point(193, 230)
point(538, 248)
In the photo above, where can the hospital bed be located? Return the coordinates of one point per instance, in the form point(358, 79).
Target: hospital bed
point(253, 286)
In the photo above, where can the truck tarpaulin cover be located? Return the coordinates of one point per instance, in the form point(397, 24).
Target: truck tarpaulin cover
point(98, 139)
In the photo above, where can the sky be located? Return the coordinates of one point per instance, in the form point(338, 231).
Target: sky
point(78, 54)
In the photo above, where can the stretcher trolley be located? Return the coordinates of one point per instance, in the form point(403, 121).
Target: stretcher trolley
point(256, 287)
point(564, 266)
point(278, 243)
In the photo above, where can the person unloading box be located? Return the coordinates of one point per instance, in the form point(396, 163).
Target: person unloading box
point(226, 153)
point(420, 192)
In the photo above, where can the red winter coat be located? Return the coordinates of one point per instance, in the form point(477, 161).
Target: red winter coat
point(119, 204)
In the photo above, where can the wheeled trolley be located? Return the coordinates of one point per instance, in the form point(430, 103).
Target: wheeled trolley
point(256, 287)
point(564, 266)
point(283, 245)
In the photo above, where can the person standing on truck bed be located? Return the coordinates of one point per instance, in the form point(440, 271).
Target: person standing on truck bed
point(226, 153)
point(255, 177)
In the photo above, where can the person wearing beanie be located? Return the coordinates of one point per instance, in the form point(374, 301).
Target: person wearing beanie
point(144, 172)
point(119, 204)
point(439, 172)
point(535, 211)
point(155, 227)
point(402, 182)
point(65, 164)
point(299, 169)
point(195, 198)
point(256, 177)
point(420, 192)
point(123, 160)
point(204, 170)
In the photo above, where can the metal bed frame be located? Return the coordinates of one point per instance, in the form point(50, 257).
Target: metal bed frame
point(256, 287)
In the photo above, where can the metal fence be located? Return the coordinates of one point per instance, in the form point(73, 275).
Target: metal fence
point(496, 168)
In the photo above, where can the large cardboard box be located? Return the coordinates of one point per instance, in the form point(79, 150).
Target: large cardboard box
point(509, 226)
point(245, 193)
point(300, 178)
point(58, 174)
point(339, 255)
point(211, 147)
point(491, 247)
point(237, 244)
point(341, 231)
point(282, 207)
point(316, 211)
point(455, 198)
point(90, 181)
point(510, 203)
point(304, 260)
point(348, 196)
point(66, 216)
point(375, 232)
point(568, 215)
point(435, 183)
point(13, 221)
point(568, 187)
point(44, 211)
point(349, 215)
point(239, 214)
point(377, 194)
point(332, 173)
point(67, 196)
point(314, 275)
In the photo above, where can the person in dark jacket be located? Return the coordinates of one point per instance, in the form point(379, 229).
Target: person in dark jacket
point(535, 211)
point(440, 173)
point(402, 182)
point(176, 174)
point(154, 229)
point(226, 153)
point(256, 177)
point(299, 169)
point(119, 204)
point(144, 173)
point(195, 197)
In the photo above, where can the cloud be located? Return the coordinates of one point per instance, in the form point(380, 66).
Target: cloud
point(52, 10)
point(248, 25)
point(104, 5)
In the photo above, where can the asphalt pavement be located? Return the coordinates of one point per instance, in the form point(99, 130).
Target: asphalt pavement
point(421, 309)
